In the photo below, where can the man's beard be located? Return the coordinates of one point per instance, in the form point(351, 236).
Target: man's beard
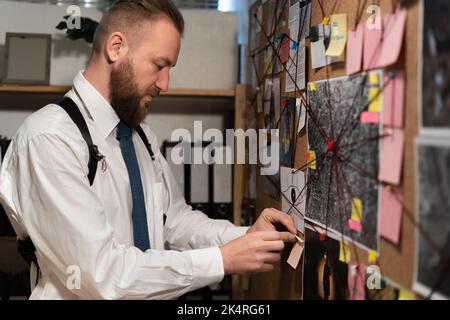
point(125, 96)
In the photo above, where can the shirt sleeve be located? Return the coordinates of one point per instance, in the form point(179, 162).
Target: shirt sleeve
point(187, 229)
point(68, 226)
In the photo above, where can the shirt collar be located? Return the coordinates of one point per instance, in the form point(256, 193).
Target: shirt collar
point(102, 112)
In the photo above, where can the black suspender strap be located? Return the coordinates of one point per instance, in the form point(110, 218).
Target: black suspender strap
point(94, 155)
point(75, 114)
point(26, 247)
point(144, 139)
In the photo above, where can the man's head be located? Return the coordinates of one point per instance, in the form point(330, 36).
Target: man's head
point(137, 42)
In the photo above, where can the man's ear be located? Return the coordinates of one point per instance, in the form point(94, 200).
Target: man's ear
point(115, 46)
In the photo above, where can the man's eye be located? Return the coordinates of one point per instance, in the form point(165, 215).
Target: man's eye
point(159, 67)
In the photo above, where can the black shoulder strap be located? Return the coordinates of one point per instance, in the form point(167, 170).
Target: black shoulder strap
point(94, 156)
point(75, 114)
point(26, 247)
point(144, 139)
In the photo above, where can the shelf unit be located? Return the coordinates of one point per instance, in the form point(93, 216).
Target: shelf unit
point(176, 92)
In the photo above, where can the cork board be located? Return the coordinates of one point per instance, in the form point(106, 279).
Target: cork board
point(396, 262)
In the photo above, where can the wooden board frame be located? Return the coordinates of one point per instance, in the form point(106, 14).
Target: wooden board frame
point(396, 261)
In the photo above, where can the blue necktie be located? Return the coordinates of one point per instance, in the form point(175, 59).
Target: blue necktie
point(139, 213)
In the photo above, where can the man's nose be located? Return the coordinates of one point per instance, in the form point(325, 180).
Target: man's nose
point(163, 80)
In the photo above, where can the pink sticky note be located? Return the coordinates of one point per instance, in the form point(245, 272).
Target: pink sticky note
point(370, 118)
point(356, 281)
point(394, 99)
point(354, 225)
point(285, 48)
point(391, 210)
point(372, 47)
point(391, 161)
point(355, 49)
point(394, 29)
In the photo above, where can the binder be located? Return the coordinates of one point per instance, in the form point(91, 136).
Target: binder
point(222, 181)
point(170, 148)
point(200, 178)
point(6, 228)
point(194, 179)
point(208, 187)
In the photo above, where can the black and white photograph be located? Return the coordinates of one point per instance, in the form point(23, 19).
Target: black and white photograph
point(433, 208)
point(293, 199)
point(327, 276)
point(346, 163)
point(435, 104)
point(287, 131)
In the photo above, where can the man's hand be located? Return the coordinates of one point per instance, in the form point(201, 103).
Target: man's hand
point(254, 252)
point(270, 218)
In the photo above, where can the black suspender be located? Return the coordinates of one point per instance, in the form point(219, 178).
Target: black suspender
point(74, 113)
point(144, 139)
point(94, 155)
point(26, 247)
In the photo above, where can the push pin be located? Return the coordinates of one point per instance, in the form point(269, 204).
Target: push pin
point(322, 237)
point(308, 156)
point(330, 145)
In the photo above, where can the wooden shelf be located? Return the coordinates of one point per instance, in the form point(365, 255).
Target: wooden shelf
point(176, 92)
point(200, 93)
point(7, 238)
point(33, 89)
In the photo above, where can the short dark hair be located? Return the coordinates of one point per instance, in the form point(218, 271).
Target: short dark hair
point(128, 14)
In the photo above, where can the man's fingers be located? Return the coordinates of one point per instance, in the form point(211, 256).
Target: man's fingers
point(269, 235)
point(267, 268)
point(275, 236)
point(273, 246)
point(284, 219)
point(271, 257)
point(287, 237)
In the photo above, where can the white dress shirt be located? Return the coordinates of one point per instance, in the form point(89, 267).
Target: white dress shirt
point(83, 234)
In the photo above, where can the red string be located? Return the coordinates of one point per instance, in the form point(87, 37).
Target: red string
point(339, 159)
point(308, 109)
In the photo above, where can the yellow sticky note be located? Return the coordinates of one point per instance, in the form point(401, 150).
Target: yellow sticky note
point(269, 68)
point(372, 257)
point(312, 160)
point(259, 102)
point(373, 78)
point(338, 39)
point(375, 100)
point(326, 21)
point(406, 295)
point(312, 86)
point(344, 252)
point(357, 210)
